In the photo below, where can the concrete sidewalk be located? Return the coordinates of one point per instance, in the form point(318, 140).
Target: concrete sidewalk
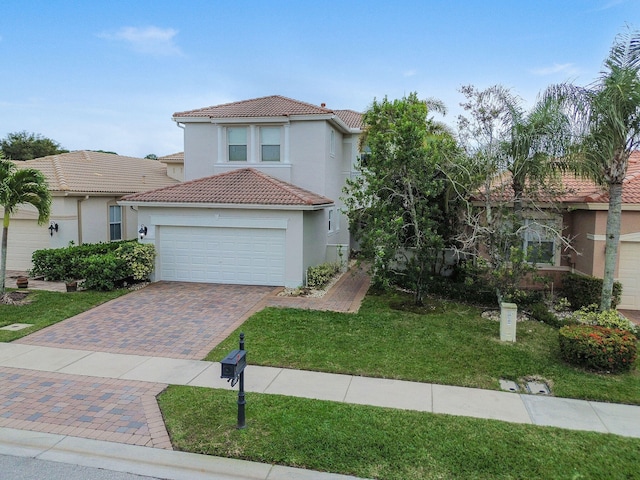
point(497, 405)
point(30, 436)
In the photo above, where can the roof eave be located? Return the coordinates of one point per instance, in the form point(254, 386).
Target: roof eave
point(243, 206)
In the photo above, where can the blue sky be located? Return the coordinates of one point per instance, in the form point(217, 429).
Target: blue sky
point(108, 75)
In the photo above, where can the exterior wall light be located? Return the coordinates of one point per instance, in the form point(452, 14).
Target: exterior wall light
point(53, 227)
point(143, 231)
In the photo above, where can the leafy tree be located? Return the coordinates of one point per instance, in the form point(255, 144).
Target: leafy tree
point(26, 146)
point(607, 116)
point(20, 186)
point(151, 156)
point(513, 166)
point(392, 205)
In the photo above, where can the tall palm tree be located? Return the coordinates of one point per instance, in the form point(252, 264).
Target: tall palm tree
point(20, 186)
point(607, 114)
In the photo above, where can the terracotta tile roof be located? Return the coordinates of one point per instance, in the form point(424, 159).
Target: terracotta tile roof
point(271, 106)
point(173, 158)
point(96, 172)
point(242, 186)
point(581, 190)
point(352, 118)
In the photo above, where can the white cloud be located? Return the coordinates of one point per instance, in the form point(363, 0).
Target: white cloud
point(409, 73)
point(148, 40)
point(566, 68)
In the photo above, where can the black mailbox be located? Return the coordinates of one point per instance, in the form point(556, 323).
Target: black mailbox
point(233, 364)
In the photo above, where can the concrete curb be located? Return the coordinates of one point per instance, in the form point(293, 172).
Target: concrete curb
point(144, 460)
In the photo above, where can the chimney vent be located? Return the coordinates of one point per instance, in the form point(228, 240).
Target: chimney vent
point(323, 104)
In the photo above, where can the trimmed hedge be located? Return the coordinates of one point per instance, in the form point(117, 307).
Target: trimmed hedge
point(103, 266)
point(598, 348)
point(582, 290)
point(57, 264)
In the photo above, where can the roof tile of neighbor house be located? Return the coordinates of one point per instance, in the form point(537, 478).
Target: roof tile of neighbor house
point(271, 106)
point(586, 191)
point(96, 172)
point(242, 186)
point(581, 190)
point(173, 158)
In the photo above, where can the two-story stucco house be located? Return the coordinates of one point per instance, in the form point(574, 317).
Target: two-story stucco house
point(261, 197)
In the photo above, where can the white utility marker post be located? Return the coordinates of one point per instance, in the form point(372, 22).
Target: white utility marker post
point(508, 320)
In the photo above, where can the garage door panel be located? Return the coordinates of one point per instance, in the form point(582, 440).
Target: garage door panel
point(222, 255)
point(629, 275)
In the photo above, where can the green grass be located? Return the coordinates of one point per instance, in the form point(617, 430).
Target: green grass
point(381, 443)
point(46, 308)
point(451, 344)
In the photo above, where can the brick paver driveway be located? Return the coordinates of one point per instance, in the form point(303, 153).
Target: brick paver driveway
point(164, 319)
point(176, 320)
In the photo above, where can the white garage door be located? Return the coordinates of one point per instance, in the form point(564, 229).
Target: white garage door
point(246, 256)
point(629, 275)
point(25, 237)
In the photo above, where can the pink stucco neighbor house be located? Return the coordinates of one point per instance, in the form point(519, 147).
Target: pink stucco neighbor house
point(585, 220)
point(581, 213)
point(261, 199)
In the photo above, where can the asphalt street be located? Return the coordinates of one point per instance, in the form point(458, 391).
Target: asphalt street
point(27, 468)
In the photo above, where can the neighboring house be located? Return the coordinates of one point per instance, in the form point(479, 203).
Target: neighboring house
point(583, 219)
point(586, 223)
point(261, 202)
point(175, 165)
point(85, 187)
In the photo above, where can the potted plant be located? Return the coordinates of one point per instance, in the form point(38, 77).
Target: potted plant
point(71, 284)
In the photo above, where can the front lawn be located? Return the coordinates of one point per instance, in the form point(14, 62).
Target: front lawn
point(45, 308)
point(451, 344)
point(387, 444)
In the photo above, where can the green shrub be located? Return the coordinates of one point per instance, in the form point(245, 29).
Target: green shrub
point(469, 288)
point(526, 298)
point(139, 259)
point(582, 290)
point(103, 272)
point(590, 315)
point(540, 312)
point(57, 264)
point(103, 266)
point(598, 348)
point(320, 275)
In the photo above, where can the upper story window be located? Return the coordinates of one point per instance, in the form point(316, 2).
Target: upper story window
point(115, 222)
point(270, 144)
point(237, 141)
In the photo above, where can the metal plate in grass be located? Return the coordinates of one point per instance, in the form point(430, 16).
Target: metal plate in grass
point(14, 327)
point(538, 388)
point(509, 385)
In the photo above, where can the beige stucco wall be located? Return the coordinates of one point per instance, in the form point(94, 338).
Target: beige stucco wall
point(80, 220)
point(306, 161)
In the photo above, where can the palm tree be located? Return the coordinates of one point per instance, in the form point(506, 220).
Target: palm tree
point(607, 115)
point(535, 140)
point(20, 186)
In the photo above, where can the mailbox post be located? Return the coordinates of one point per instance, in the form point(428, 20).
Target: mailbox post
point(232, 368)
